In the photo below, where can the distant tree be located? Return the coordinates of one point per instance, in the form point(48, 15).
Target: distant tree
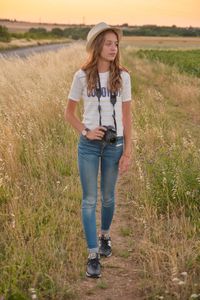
point(4, 34)
point(76, 32)
point(125, 25)
point(57, 31)
point(39, 30)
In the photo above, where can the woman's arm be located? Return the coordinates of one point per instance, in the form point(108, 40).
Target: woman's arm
point(125, 159)
point(127, 124)
point(69, 114)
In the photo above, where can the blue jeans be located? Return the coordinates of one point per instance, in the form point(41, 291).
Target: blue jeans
point(91, 154)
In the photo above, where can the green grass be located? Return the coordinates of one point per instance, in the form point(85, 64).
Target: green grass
point(186, 61)
point(102, 285)
point(123, 253)
point(125, 231)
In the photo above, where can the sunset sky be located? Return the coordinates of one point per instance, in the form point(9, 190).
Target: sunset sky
point(134, 12)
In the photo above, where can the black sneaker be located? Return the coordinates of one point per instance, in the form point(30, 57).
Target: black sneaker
point(105, 246)
point(93, 266)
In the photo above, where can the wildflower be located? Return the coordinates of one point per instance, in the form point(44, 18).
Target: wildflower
point(188, 193)
point(164, 180)
point(175, 279)
point(65, 188)
point(195, 296)
point(166, 292)
point(33, 294)
point(184, 274)
point(181, 282)
point(12, 220)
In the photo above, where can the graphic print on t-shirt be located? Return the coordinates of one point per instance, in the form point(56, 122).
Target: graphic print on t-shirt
point(105, 92)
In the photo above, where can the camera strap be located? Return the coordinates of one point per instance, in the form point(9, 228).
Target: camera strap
point(113, 100)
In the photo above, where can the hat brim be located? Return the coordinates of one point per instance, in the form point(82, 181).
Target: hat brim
point(117, 30)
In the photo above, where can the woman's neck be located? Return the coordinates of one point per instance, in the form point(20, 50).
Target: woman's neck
point(103, 66)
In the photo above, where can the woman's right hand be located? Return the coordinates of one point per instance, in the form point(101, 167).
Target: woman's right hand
point(97, 133)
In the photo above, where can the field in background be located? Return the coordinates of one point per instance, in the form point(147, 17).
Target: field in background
point(186, 61)
point(133, 42)
point(40, 192)
point(151, 42)
point(21, 43)
point(21, 27)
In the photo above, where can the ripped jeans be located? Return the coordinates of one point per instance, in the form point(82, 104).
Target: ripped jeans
point(91, 155)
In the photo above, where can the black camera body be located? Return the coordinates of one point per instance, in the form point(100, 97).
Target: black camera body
point(110, 136)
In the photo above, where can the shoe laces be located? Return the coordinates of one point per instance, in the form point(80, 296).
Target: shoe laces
point(94, 261)
point(105, 242)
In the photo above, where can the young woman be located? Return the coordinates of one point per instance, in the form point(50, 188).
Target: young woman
point(105, 134)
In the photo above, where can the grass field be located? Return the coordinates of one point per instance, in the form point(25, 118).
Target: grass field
point(150, 42)
point(40, 192)
point(186, 61)
point(21, 27)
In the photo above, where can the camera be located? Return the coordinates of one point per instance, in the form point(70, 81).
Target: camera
point(110, 135)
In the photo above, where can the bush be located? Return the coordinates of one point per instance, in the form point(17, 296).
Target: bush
point(4, 34)
point(39, 30)
point(57, 31)
point(76, 32)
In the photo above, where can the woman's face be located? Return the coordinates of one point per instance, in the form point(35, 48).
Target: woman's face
point(110, 47)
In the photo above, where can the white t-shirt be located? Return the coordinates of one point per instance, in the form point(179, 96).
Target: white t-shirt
point(91, 114)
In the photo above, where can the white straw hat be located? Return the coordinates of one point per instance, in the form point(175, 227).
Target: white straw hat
point(97, 29)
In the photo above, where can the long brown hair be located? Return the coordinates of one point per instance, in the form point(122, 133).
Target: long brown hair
point(90, 66)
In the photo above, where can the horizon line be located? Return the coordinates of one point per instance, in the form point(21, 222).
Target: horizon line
point(82, 24)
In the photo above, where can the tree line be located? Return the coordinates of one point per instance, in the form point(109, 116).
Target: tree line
point(80, 32)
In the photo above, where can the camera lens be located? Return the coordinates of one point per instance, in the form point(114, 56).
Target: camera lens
point(113, 140)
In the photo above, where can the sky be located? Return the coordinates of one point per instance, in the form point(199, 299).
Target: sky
point(182, 13)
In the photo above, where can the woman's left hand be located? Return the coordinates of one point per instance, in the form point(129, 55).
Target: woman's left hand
point(124, 163)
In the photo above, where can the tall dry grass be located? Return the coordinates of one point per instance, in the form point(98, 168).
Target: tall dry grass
point(41, 240)
point(164, 186)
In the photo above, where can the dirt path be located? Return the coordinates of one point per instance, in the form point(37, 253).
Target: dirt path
point(119, 272)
